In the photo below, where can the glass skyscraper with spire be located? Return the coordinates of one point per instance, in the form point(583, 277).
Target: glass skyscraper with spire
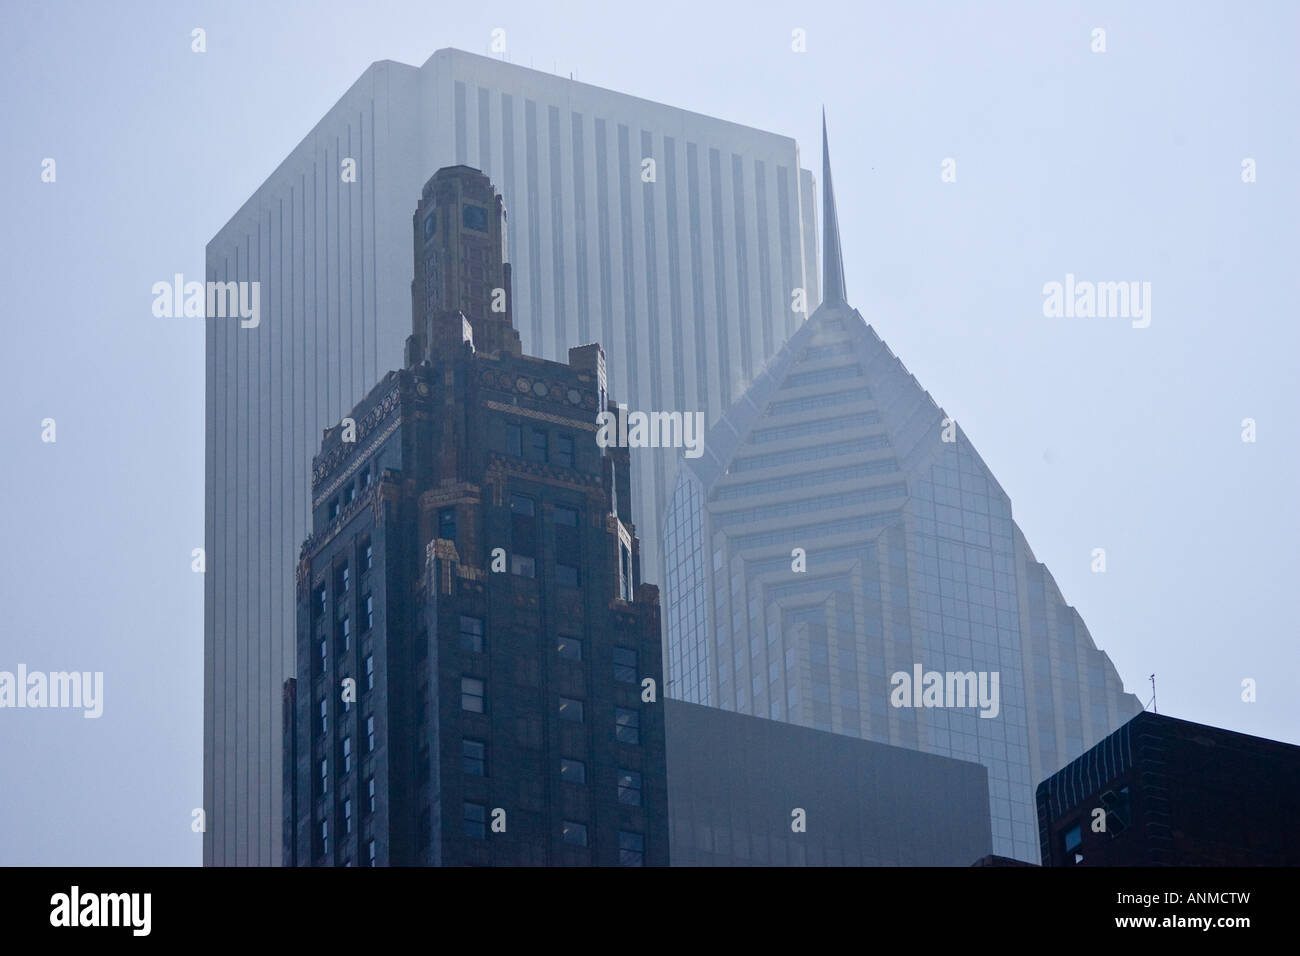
point(840, 529)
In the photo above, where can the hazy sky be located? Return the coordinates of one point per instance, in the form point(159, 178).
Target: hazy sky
point(1122, 165)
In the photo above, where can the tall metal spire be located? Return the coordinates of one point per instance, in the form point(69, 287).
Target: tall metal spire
point(832, 263)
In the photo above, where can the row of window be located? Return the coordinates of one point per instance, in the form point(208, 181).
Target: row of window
point(800, 379)
point(810, 505)
point(818, 427)
point(631, 846)
point(790, 406)
point(569, 648)
point(323, 845)
point(627, 722)
point(349, 493)
point(343, 580)
point(816, 353)
point(816, 452)
point(345, 822)
point(345, 751)
point(523, 541)
point(538, 446)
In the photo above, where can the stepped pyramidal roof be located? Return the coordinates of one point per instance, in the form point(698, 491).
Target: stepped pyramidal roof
point(840, 529)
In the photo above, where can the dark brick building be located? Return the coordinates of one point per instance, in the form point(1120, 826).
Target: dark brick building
point(479, 670)
point(1174, 793)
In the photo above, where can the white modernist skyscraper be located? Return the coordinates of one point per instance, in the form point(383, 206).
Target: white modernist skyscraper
point(673, 239)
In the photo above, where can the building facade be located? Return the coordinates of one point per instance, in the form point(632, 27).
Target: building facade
point(1166, 792)
point(839, 530)
point(683, 268)
point(478, 663)
point(746, 791)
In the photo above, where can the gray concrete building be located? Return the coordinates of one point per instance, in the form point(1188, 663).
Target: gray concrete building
point(682, 269)
point(840, 529)
point(745, 791)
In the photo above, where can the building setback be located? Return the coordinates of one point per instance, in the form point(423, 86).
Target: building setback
point(686, 279)
point(839, 529)
point(1173, 793)
point(736, 782)
point(473, 574)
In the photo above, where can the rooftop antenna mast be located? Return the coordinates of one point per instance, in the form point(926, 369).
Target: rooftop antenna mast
point(1152, 704)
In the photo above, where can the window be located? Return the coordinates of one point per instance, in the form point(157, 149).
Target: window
point(625, 573)
point(370, 851)
point(370, 734)
point(567, 548)
point(324, 838)
point(321, 603)
point(365, 478)
point(324, 716)
point(347, 815)
point(570, 648)
point(350, 495)
point(471, 634)
point(631, 849)
point(515, 441)
point(573, 771)
point(430, 225)
point(334, 513)
point(447, 523)
point(627, 726)
point(345, 634)
point(564, 451)
point(536, 444)
point(476, 821)
point(471, 695)
point(571, 710)
point(523, 535)
point(368, 609)
point(475, 217)
point(370, 796)
point(344, 579)
point(324, 775)
point(629, 787)
point(324, 655)
point(347, 755)
point(473, 758)
point(625, 665)
point(1073, 845)
point(370, 672)
point(575, 834)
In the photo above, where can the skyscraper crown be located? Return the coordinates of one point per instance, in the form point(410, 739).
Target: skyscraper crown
point(461, 290)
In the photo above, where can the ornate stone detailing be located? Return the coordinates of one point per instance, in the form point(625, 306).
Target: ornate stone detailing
point(545, 416)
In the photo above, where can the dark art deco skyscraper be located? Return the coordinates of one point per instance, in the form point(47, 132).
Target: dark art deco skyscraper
point(472, 572)
point(838, 530)
point(685, 280)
